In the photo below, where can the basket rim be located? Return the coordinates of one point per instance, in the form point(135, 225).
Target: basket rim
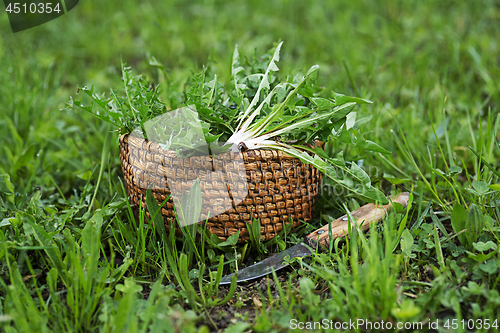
point(282, 154)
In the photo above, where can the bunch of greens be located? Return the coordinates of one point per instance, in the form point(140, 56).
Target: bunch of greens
point(254, 110)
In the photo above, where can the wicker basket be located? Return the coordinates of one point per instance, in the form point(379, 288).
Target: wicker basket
point(279, 187)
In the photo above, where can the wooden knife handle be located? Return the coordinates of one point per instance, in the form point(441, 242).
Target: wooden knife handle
point(369, 213)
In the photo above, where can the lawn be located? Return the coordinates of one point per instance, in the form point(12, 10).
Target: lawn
point(73, 258)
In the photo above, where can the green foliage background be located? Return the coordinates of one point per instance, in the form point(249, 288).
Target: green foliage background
point(411, 58)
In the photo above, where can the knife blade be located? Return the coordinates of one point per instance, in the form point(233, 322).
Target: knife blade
point(363, 217)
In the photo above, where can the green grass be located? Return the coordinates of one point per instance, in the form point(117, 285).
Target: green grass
point(74, 258)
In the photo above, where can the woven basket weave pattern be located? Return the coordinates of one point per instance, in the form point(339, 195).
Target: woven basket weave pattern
point(278, 187)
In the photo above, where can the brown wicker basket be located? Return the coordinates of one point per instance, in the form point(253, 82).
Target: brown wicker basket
point(280, 187)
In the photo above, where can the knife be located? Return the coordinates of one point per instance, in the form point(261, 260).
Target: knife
point(363, 217)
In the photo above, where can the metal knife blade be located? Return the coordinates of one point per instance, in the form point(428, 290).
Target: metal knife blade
point(363, 216)
point(267, 265)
